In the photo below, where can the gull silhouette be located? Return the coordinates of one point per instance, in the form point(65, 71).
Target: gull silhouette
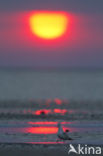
point(61, 134)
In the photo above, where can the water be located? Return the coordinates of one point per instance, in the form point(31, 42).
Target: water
point(33, 102)
point(26, 84)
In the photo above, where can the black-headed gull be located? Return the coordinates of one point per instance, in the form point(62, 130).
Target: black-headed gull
point(61, 134)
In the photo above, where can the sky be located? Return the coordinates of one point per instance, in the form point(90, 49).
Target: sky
point(81, 46)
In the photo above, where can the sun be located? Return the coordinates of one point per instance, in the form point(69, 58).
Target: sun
point(48, 25)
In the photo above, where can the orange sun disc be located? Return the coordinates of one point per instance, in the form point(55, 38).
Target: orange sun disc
point(48, 25)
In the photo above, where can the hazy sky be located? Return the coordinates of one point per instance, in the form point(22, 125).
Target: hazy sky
point(82, 47)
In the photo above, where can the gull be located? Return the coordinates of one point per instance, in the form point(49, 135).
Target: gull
point(61, 134)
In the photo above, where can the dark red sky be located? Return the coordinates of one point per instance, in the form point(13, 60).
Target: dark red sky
point(82, 46)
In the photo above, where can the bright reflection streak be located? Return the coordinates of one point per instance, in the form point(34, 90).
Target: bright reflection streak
point(50, 111)
point(42, 130)
point(38, 130)
point(45, 130)
point(47, 123)
point(48, 127)
point(61, 111)
point(43, 123)
point(44, 111)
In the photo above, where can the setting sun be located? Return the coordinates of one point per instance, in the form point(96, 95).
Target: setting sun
point(48, 25)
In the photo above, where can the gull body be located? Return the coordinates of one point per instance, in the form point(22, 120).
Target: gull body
point(61, 134)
